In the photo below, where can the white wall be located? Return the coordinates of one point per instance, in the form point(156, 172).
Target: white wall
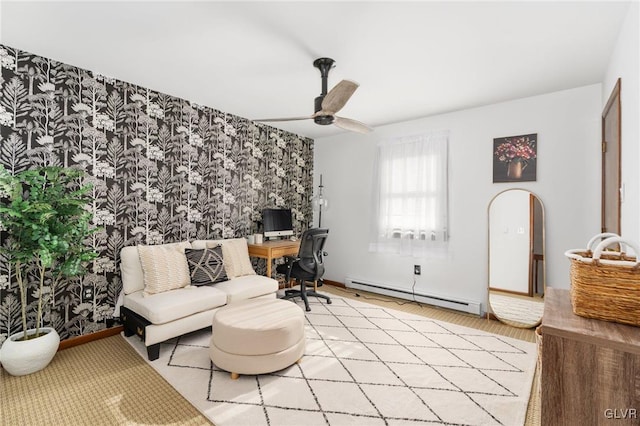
point(624, 64)
point(568, 184)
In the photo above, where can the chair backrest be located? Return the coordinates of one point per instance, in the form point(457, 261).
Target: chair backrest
point(311, 249)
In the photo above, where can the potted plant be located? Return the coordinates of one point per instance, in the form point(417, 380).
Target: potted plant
point(44, 217)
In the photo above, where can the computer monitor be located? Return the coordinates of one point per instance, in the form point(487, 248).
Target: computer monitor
point(277, 222)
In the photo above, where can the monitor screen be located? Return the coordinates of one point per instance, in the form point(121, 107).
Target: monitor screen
point(277, 222)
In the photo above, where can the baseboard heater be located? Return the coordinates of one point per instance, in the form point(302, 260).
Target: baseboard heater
point(459, 305)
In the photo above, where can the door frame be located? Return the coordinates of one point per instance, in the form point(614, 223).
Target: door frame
point(531, 235)
point(613, 98)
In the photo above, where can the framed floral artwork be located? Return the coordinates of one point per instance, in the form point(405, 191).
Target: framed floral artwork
point(515, 158)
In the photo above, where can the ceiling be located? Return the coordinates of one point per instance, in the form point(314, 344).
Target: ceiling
point(254, 59)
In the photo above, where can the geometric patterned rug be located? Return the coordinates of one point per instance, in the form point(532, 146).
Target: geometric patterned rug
point(363, 365)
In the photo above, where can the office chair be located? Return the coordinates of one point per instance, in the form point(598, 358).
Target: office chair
point(308, 266)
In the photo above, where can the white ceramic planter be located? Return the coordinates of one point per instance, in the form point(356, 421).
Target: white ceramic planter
point(20, 357)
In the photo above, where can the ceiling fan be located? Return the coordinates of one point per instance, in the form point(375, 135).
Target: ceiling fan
point(328, 104)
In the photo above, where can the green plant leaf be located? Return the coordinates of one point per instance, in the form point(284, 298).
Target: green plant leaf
point(44, 212)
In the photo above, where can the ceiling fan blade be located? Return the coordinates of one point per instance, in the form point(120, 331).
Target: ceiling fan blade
point(267, 120)
point(338, 96)
point(351, 125)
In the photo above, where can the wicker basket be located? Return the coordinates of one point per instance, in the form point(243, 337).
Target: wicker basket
point(606, 285)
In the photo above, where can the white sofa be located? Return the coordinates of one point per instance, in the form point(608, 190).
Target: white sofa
point(162, 316)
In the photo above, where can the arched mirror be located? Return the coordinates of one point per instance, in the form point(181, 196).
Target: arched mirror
point(516, 258)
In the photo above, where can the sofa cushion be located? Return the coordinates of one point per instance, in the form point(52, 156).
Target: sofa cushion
point(205, 266)
point(131, 270)
point(236, 258)
point(175, 304)
point(201, 244)
point(165, 267)
point(247, 287)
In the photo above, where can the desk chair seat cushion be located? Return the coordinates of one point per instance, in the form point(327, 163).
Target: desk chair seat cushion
point(257, 336)
point(296, 272)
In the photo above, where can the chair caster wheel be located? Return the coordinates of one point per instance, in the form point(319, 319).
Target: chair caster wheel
point(328, 302)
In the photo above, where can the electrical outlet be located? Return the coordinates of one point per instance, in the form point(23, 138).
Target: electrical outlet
point(87, 293)
point(417, 269)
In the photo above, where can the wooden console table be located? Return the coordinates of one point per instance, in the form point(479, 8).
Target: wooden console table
point(274, 249)
point(590, 368)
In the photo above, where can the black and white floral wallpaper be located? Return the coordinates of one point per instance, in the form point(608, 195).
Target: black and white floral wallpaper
point(163, 169)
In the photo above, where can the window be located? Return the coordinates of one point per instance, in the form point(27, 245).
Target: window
point(410, 206)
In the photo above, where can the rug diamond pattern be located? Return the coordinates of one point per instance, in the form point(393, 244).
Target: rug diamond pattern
point(367, 365)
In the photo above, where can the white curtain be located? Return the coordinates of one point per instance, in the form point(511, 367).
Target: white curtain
point(410, 202)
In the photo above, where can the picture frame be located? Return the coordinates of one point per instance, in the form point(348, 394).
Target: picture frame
point(515, 158)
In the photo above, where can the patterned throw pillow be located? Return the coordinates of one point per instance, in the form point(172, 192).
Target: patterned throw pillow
point(164, 267)
point(206, 266)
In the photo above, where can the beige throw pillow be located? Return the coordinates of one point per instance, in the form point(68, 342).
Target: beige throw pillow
point(235, 254)
point(164, 267)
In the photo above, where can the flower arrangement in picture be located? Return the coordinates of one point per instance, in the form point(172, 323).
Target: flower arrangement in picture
point(512, 155)
point(519, 148)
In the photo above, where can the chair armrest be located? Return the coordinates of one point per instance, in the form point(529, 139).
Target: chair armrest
point(289, 261)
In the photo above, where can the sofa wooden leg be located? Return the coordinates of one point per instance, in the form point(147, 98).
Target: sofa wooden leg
point(153, 352)
point(234, 376)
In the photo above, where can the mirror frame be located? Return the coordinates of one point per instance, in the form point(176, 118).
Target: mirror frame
point(490, 313)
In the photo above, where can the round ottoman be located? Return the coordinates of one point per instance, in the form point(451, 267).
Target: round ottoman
point(257, 336)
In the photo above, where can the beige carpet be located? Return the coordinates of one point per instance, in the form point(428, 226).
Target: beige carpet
point(100, 383)
point(106, 383)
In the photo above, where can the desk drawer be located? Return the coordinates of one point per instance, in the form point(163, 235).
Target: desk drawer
point(259, 251)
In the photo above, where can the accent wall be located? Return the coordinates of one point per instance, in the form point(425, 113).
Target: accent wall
point(163, 169)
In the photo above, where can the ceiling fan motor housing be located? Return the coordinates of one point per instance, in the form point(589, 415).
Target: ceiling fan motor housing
point(324, 65)
point(321, 119)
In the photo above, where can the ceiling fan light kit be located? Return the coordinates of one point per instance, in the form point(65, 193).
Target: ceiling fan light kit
point(329, 103)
